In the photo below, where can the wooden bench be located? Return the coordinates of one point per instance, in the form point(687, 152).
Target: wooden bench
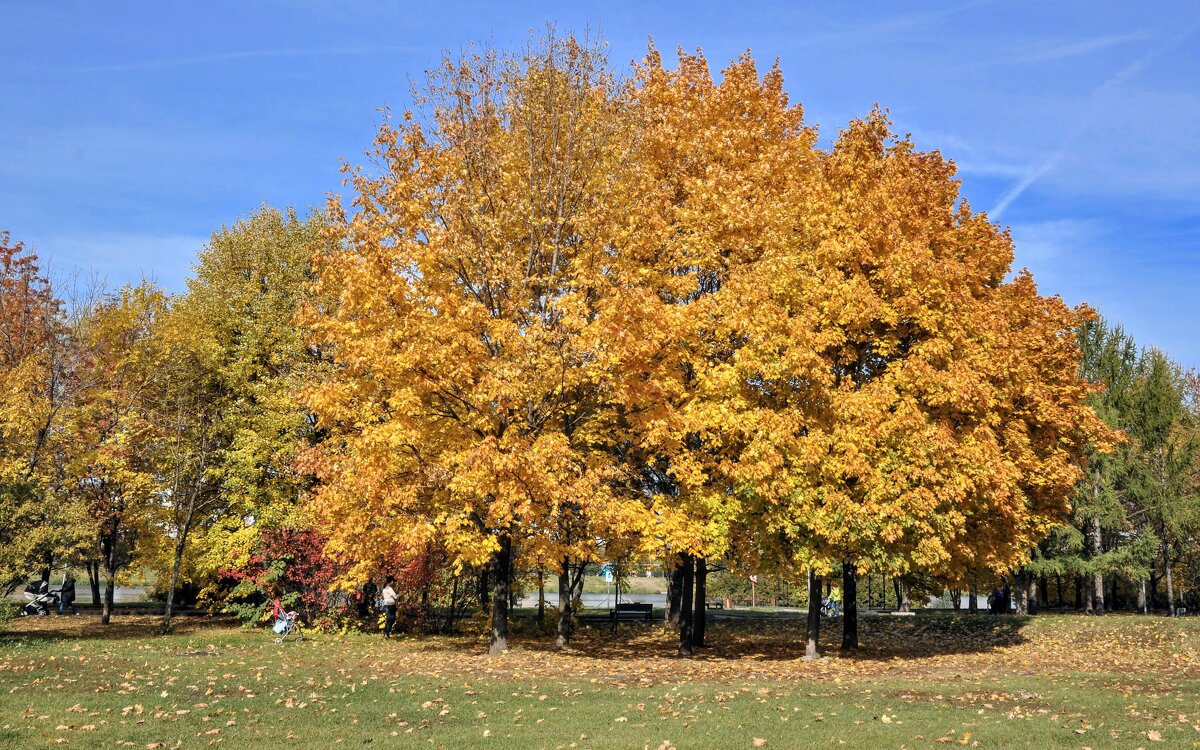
point(631, 612)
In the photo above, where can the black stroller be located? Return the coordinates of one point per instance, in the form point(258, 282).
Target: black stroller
point(41, 599)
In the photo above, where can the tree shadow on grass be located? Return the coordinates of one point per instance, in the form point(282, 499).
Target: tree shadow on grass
point(128, 627)
point(881, 638)
point(744, 638)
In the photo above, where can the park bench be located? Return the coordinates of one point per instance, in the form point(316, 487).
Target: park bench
point(631, 612)
point(715, 604)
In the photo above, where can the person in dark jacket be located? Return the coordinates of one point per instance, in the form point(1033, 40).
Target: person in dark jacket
point(66, 597)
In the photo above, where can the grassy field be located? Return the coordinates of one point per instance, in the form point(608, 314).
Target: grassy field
point(1054, 681)
point(632, 585)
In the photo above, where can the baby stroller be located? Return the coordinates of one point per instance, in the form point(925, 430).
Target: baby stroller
point(287, 624)
point(41, 600)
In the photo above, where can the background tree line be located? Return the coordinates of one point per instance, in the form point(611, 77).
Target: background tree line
point(573, 314)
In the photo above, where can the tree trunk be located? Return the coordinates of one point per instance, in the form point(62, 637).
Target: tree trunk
point(484, 588)
point(1169, 579)
point(973, 605)
point(685, 607)
point(449, 626)
point(1082, 602)
point(93, 570)
point(47, 568)
point(175, 565)
point(812, 646)
point(108, 544)
point(501, 564)
point(701, 609)
point(1033, 594)
point(1022, 593)
point(956, 598)
point(1141, 600)
point(564, 604)
point(896, 588)
point(1097, 577)
point(1059, 586)
point(675, 594)
point(541, 596)
point(849, 607)
point(904, 587)
point(1044, 590)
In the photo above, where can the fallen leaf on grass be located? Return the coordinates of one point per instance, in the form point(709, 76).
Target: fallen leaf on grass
point(759, 742)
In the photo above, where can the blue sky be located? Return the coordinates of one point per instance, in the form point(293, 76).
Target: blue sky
point(130, 131)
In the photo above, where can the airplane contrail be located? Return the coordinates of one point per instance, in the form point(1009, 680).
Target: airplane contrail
point(1047, 165)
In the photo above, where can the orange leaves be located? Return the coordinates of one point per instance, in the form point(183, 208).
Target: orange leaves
point(471, 338)
point(660, 313)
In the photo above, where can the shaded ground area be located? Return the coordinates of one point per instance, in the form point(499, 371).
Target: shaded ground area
point(929, 681)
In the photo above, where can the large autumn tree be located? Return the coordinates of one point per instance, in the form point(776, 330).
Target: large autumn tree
point(946, 419)
point(111, 469)
point(249, 358)
point(39, 375)
point(662, 315)
point(468, 320)
point(713, 169)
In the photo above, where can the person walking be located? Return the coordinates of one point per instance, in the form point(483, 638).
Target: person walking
point(389, 606)
point(66, 596)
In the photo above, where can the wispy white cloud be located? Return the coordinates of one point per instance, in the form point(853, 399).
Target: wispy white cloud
point(221, 57)
point(1048, 164)
point(1077, 49)
point(1040, 243)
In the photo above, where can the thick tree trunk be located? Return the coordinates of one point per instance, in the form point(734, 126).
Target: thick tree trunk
point(904, 587)
point(675, 594)
point(973, 604)
point(564, 604)
point(501, 564)
point(699, 619)
point(108, 544)
point(956, 598)
point(1141, 598)
point(812, 646)
point(107, 604)
point(849, 607)
point(1097, 578)
point(685, 606)
point(93, 570)
point(1022, 593)
point(1033, 594)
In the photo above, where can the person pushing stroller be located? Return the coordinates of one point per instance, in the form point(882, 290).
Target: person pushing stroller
point(66, 595)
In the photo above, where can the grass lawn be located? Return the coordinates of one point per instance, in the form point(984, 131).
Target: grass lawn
point(919, 682)
point(633, 585)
